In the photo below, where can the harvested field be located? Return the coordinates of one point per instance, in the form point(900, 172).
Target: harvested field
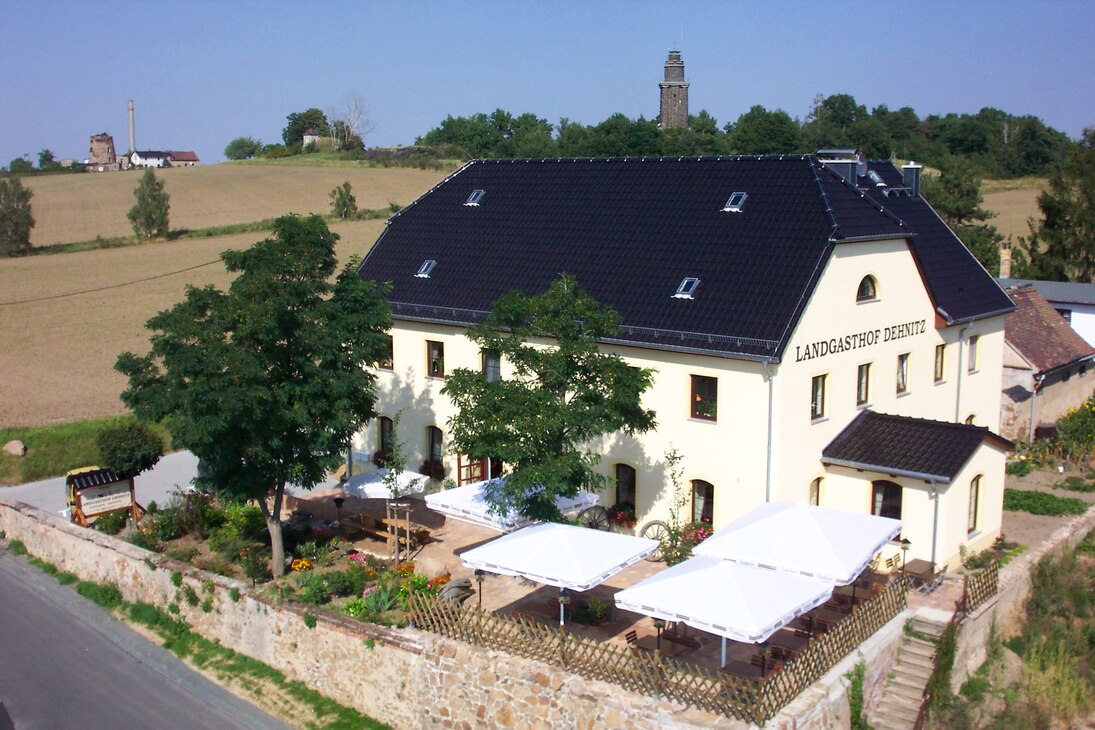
point(71, 208)
point(1012, 209)
point(57, 356)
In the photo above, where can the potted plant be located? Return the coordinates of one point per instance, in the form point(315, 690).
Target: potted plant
point(598, 610)
point(622, 515)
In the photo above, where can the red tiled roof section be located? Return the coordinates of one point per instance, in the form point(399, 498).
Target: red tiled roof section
point(1040, 334)
point(183, 156)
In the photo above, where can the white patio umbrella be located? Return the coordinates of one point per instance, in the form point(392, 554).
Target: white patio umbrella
point(735, 601)
point(564, 556)
point(469, 504)
point(821, 542)
point(372, 486)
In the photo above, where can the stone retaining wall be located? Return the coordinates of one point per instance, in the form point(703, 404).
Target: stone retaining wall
point(1006, 608)
point(404, 677)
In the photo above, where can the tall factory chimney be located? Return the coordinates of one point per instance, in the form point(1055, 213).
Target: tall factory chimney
point(132, 138)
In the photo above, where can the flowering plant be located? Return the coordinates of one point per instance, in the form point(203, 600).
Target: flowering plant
point(696, 532)
point(436, 583)
point(622, 514)
point(302, 564)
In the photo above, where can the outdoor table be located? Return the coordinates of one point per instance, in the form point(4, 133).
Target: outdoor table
point(919, 570)
point(669, 648)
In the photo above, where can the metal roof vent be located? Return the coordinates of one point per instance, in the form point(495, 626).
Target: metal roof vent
point(876, 179)
point(735, 203)
point(425, 269)
point(475, 197)
point(688, 286)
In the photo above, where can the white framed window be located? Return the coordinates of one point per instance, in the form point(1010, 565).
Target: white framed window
point(735, 203)
point(425, 269)
point(903, 373)
point(475, 197)
point(940, 362)
point(863, 385)
point(687, 288)
point(492, 366)
point(973, 353)
point(975, 497)
point(817, 397)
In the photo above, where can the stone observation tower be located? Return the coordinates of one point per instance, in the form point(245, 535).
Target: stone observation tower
point(674, 107)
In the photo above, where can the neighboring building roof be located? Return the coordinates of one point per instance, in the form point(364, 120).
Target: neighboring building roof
point(186, 156)
point(93, 478)
point(1040, 334)
point(631, 229)
point(1063, 292)
point(910, 447)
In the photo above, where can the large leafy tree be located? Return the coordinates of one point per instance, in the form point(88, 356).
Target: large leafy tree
point(762, 132)
point(1062, 245)
point(266, 382)
point(956, 196)
point(16, 220)
point(149, 214)
point(299, 122)
point(242, 148)
point(563, 393)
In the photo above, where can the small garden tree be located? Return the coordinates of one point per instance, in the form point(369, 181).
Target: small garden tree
point(16, 220)
point(267, 381)
point(148, 216)
point(561, 396)
point(130, 447)
point(343, 202)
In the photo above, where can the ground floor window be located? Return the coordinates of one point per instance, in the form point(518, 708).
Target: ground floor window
point(387, 429)
point(886, 499)
point(703, 501)
point(975, 496)
point(625, 485)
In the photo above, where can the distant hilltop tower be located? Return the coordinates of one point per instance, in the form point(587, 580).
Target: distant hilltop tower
point(674, 107)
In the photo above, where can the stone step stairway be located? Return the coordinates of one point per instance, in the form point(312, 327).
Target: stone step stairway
point(903, 690)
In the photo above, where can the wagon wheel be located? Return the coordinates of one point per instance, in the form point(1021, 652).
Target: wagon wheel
point(595, 517)
point(655, 530)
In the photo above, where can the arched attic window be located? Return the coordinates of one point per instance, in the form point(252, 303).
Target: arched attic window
point(868, 289)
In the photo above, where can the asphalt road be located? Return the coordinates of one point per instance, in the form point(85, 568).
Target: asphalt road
point(66, 663)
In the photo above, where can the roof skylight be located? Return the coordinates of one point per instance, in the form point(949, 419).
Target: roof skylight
point(425, 269)
point(687, 287)
point(735, 203)
point(475, 197)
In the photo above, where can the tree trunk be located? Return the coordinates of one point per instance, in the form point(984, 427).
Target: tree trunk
point(273, 524)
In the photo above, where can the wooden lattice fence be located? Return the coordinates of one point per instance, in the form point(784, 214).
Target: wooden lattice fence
point(651, 673)
point(981, 586)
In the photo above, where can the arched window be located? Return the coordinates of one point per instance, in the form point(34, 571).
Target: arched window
point(434, 439)
point(868, 290)
point(815, 492)
point(975, 497)
point(703, 501)
point(625, 485)
point(387, 429)
point(886, 499)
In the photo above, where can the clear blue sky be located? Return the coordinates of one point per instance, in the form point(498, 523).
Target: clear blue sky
point(202, 73)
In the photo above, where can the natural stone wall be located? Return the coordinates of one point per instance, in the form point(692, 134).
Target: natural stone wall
point(404, 677)
point(1006, 608)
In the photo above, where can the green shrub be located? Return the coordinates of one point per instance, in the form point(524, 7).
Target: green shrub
point(309, 620)
point(207, 604)
point(227, 543)
point(1076, 484)
point(1019, 468)
point(255, 563)
point(1076, 432)
point(111, 523)
point(183, 554)
point(104, 594)
point(17, 547)
point(130, 447)
point(243, 520)
point(378, 600)
point(975, 688)
point(216, 565)
point(166, 524)
point(42, 565)
point(65, 578)
point(314, 588)
point(190, 595)
point(234, 594)
point(176, 578)
point(143, 539)
point(1040, 503)
point(174, 608)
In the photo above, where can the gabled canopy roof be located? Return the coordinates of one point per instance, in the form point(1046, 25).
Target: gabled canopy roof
point(631, 230)
point(910, 447)
point(469, 504)
point(564, 556)
point(1040, 334)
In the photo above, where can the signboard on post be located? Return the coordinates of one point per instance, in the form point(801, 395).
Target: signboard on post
point(92, 491)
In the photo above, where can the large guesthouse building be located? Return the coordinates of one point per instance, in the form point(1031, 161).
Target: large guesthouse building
point(817, 333)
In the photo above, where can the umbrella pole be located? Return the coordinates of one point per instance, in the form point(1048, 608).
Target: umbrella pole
point(561, 608)
point(723, 665)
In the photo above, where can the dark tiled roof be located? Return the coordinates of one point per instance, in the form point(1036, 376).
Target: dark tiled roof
point(907, 446)
point(1058, 292)
point(145, 154)
point(95, 478)
point(630, 230)
point(1040, 334)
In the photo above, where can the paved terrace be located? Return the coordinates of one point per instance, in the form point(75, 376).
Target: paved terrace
point(449, 538)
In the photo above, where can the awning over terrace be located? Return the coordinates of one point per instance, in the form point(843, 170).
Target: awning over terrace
point(732, 600)
point(372, 486)
point(564, 556)
point(820, 542)
point(469, 503)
